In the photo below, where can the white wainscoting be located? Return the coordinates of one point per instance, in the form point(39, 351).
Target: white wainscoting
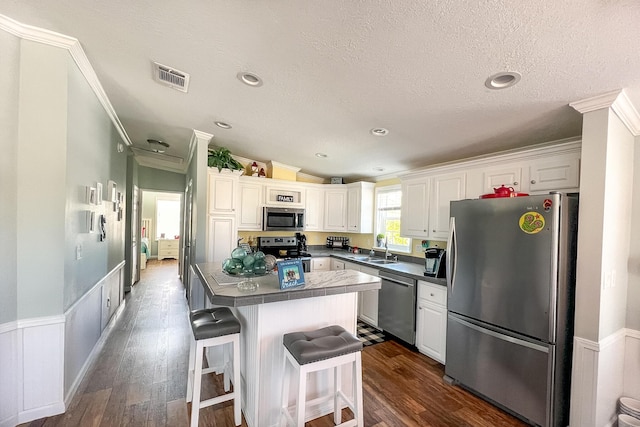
point(9, 373)
point(85, 321)
point(631, 386)
point(42, 360)
point(599, 374)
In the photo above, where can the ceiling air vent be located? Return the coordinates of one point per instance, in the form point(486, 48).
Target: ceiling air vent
point(170, 77)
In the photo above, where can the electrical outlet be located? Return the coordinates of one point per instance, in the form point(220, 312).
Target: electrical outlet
point(78, 251)
point(419, 247)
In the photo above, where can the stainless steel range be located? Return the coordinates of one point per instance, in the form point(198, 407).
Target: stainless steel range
point(287, 247)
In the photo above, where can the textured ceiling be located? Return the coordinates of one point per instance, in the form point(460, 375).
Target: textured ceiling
point(332, 70)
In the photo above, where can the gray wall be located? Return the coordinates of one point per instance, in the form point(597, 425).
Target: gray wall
point(57, 140)
point(633, 291)
point(9, 78)
point(42, 158)
point(92, 158)
point(159, 180)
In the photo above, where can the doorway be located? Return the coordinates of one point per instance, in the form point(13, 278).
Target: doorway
point(160, 226)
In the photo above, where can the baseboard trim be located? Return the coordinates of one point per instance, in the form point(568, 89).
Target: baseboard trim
point(40, 412)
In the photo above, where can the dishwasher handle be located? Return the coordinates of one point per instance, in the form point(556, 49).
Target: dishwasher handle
point(400, 280)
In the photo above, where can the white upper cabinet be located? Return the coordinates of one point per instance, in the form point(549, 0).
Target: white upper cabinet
point(250, 215)
point(335, 208)
point(556, 173)
point(223, 191)
point(360, 207)
point(415, 208)
point(427, 193)
point(445, 189)
point(284, 194)
point(314, 208)
point(485, 180)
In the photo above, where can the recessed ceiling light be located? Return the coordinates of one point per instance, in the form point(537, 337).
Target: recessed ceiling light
point(223, 125)
point(503, 80)
point(378, 169)
point(379, 132)
point(321, 155)
point(249, 79)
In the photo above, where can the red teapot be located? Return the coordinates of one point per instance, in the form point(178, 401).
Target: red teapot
point(504, 191)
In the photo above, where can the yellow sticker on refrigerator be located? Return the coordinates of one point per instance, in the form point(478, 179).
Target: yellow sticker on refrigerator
point(531, 222)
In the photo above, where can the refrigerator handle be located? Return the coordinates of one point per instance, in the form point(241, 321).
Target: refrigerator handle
point(451, 255)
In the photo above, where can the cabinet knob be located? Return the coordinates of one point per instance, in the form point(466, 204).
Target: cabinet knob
point(533, 181)
point(419, 308)
point(432, 295)
point(515, 183)
point(433, 231)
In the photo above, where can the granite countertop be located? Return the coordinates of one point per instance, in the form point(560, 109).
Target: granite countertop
point(409, 269)
point(222, 290)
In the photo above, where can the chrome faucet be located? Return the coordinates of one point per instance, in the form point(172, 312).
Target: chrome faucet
point(388, 254)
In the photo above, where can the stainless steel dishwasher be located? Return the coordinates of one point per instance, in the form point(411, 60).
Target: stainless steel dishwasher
point(397, 306)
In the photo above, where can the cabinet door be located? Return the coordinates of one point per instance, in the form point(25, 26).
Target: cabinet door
point(320, 264)
point(446, 188)
point(314, 204)
point(353, 209)
point(368, 301)
point(337, 265)
point(415, 209)
point(335, 209)
point(221, 237)
point(560, 173)
point(508, 175)
point(431, 330)
point(250, 215)
point(222, 192)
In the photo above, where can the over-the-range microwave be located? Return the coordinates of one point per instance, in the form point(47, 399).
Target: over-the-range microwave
point(290, 219)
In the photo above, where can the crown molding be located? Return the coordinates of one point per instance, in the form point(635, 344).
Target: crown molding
point(51, 38)
point(619, 102)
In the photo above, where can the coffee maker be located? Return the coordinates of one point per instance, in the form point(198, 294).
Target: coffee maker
point(434, 261)
point(302, 242)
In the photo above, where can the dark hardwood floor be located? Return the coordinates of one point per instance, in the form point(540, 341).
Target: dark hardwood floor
point(139, 378)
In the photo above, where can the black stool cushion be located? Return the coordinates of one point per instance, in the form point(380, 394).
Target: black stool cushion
point(325, 343)
point(213, 322)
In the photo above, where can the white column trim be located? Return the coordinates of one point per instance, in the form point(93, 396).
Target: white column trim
point(619, 102)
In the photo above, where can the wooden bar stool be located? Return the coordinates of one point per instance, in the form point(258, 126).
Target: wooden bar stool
point(213, 327)
point(325, 348)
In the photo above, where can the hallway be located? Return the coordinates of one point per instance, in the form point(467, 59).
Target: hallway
point(139, 377)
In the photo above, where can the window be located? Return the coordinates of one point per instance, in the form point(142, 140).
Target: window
point(388, 202)
point(168, 218)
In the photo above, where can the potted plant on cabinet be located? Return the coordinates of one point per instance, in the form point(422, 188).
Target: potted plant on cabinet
point(221, 159)
point(380, 239)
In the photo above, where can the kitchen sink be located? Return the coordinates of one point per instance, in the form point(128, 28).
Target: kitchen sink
point(382, 261)
point(361, 258)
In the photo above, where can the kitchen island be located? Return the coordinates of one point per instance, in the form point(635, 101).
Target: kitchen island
point(327, 298)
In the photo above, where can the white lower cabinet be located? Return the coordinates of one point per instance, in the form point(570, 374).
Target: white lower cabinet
point(321, 264)
point(431, 324)
point(368, 301)
point(337, 264)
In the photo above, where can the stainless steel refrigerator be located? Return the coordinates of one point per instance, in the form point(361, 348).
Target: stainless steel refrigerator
point(510, 301)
